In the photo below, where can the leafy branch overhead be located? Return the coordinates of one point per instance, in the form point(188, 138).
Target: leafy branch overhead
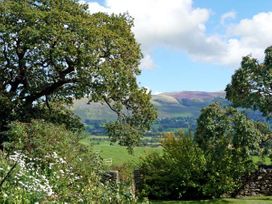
point(55, 51)
point(251, 85)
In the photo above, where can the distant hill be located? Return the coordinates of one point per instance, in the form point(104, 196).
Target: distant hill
point(196, 95)
point(184, 104)
point(175, 110)
point(169, 105)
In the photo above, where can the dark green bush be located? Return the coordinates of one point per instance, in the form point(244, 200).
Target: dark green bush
point(228, 139)
point(177, 173)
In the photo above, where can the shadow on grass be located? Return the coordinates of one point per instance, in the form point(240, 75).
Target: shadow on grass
point(248, 200)
point(193, 202)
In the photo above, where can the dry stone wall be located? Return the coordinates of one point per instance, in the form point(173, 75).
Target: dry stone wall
point(259, 183)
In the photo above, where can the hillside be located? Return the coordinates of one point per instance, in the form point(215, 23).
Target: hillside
point(169, 105)
point(183, 104)
point(175, 110)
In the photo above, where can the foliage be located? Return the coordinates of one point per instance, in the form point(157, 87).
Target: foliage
point(228, 139)
point(251, 85)
point(51, 165)
point(216, 122)
point(212, 163)
point(56, 51)
point(59, 114)
point(177, 173)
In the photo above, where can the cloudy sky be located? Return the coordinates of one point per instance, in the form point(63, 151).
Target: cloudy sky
point(194, 44)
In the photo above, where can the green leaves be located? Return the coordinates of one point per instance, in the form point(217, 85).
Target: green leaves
point(229, 140)
point(251, 85)
point(216, 124)
point(47, 163)
point(55, 51)
point(177, 173)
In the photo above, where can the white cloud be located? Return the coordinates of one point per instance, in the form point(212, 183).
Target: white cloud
point(227, 16)
point(256, 32)
point(249, 36)
point(156, 92)
point(147, 62)
point(176, 24)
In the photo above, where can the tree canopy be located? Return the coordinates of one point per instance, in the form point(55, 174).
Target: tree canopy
point(229, 140)
point(218, 124)
point(56, 51)
point(251, 85)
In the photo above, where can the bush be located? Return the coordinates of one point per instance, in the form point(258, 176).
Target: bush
point(44, 162)
point(175, 174)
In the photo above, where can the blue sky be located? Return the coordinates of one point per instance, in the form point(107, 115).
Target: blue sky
point(194, 44)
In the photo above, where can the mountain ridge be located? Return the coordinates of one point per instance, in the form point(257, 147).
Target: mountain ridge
point(169, 104)
point(195, 94)
point(175, 110)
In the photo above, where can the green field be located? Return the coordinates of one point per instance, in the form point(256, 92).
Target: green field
point(118, 154)
point(250, 200)
point(266, 160)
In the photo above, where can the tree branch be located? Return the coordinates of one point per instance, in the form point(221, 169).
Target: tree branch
point(8, 174)
point(20, 78)
point(119, 113)
point(48, 90)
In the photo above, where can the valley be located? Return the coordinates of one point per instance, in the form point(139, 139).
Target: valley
point(176, 110)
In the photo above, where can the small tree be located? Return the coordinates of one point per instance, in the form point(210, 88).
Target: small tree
point(228, 139)
point(178, 172)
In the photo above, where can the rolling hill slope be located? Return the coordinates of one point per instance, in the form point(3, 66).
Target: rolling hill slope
point(169, 105)
point(175, 110)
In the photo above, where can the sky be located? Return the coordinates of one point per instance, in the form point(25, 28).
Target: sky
point(194, 45)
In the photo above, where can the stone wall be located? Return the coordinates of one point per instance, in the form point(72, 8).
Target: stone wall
point(138, 179)
point(111, 176)
point(259, 183)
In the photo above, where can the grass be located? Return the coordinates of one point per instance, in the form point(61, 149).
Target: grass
point(249, 200)
point(266, 160)
point(119, 154)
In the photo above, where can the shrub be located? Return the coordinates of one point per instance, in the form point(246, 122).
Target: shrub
point(45, 162)
point(175, 174)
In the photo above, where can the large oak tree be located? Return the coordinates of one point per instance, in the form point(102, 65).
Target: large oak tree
point(56, 51)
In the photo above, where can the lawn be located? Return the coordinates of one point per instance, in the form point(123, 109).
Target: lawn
point(250, 200)
point(119, 154)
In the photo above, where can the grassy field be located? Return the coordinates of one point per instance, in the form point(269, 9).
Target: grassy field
point(265, 160)
point(250, 200)
point(118, 154)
